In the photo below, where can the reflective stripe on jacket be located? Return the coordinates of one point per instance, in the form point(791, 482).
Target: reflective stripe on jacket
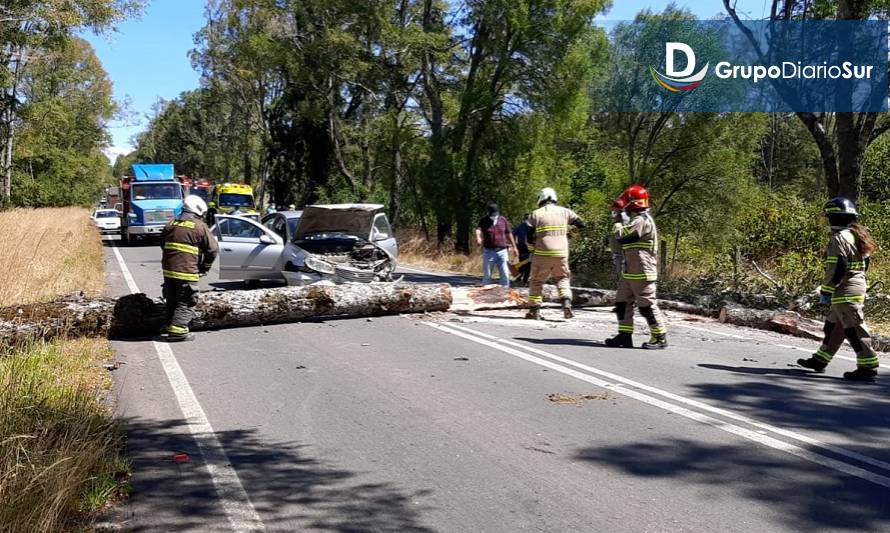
point(640, 247)
point(845, 279)
point(189, 248)
point(550, 226)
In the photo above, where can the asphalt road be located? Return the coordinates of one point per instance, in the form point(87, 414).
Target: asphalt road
point(490, 423)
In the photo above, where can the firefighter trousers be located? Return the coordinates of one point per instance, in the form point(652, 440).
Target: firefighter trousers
point(179, 297)
point(847, 321)
point(549, 268)
point(641, 294)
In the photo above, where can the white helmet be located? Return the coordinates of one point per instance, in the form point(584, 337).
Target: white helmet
point(547, 194)
point(194, 204)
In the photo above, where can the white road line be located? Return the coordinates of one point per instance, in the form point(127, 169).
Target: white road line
point(688, 401)
point(786, 346)
point(498, 344)
point(233, 498)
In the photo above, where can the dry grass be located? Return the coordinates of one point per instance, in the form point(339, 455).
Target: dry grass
point(60, 449)
point(48, 252)
point(416, 250)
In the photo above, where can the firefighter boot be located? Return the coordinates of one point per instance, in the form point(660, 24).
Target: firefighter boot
point(622, 340)
point(813, 363)
point(656, 342)
point(533, 314)
point(567, 308)
point(861, 374)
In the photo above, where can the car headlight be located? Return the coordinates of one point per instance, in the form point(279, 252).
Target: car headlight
point(319, 266)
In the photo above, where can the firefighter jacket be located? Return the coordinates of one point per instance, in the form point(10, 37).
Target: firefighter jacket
point(189, 248)
point(549, 234)
point(845, 269)
point(639, 242)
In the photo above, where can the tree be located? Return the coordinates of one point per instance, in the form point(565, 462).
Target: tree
point(68, 102)
point(28, 29)
point(842, 138)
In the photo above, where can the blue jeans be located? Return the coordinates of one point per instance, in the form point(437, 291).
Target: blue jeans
point(500, 258)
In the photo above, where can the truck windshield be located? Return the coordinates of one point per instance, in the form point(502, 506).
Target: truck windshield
point(157, 191)
point(236, 200)
point(202, 193)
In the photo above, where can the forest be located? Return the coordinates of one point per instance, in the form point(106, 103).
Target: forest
point(436, 109)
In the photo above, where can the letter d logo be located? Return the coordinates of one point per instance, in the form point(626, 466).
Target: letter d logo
point(670, 52)
point(682, 80)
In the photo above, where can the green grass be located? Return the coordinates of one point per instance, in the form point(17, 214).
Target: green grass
point(60, 451)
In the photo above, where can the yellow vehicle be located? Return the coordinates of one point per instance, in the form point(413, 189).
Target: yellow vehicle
point(234, 199)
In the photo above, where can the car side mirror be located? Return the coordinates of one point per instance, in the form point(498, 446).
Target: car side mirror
point(266, 239)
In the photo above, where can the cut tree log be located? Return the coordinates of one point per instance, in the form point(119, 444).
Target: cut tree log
point(137, 315)
point(787, 322)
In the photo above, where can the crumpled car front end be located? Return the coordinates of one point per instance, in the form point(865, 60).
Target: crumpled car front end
point(336, 258)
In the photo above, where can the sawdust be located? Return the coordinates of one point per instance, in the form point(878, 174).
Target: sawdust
point(576, 399)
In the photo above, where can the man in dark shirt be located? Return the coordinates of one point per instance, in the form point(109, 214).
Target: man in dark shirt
point(520, 236)
point(495, 234)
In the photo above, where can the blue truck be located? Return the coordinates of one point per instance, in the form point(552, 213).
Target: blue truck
point(151, 197)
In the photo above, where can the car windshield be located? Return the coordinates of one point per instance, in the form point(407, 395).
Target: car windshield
point(196, 191)
point(157, 191)
point(236, 200)
point(292, 224)
point(106, 214)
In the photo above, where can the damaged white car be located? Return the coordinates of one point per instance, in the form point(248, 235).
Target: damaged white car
point(338, 243)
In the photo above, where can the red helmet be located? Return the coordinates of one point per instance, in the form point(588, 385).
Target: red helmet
point(637, 198)
point(620, 203)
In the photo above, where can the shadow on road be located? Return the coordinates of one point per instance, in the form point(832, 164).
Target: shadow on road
point(585, 343)
point(798, 398)
point(289, 488)
point(455, 280)
point(804, 496)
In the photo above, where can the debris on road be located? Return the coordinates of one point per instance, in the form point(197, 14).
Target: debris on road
point(461, 358)
point(181, 458)
point(576, 399)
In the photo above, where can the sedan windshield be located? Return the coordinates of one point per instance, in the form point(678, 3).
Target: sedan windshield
point(292, 224)
point(236, 200)
point(107, 214)
point(157, 191)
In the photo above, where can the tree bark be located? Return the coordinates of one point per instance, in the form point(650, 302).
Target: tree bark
point(787, 322)
point(137, 315)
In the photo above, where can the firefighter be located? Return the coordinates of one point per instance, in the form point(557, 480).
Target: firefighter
point(618, 217)
point(639, 244)
point(846, 263)
point(549, 244)
point(189, 252)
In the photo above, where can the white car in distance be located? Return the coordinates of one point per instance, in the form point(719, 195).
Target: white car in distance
point(107, 220)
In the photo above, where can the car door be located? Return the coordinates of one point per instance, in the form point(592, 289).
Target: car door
point(247, 250)
point(383, 236)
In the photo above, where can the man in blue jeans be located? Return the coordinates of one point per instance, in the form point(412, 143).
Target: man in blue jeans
point(495, 234)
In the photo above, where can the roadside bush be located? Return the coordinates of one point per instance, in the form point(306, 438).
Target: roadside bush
point(60, 450)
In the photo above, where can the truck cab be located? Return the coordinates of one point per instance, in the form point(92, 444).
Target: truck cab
point(152, 197)
point(235, 198)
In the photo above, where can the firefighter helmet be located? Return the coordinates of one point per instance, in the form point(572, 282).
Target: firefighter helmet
point(547, 194)
point(637, 198)
point(620, 203)
point(840, 206)
point(194, 204)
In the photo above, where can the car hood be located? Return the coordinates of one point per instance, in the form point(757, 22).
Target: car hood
point(349, 219)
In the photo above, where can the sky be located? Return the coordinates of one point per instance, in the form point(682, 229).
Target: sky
point(147, 58)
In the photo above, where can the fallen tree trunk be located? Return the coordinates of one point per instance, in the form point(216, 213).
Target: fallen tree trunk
point(491, 298)
point(787, 322)
point(137, 315)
